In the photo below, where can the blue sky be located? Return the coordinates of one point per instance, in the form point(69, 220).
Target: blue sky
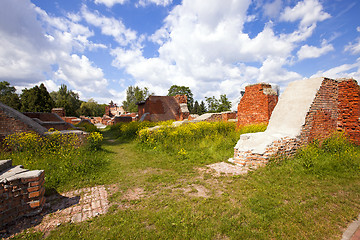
point(100, 47)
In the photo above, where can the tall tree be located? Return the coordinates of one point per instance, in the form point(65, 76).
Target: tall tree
point(218, 105)
point(134, 95)
point(36, 99)
point(202, 108)
point(67, 99)
point(196, 108)
point(224, 104)
point(92, 108)
point(8, 95)
point(182, 90)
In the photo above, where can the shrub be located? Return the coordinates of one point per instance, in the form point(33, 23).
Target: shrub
point(94, 140)
point(87, 127)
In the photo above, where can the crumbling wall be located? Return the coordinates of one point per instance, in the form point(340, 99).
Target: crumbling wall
point(13, 121)
point(163, 108)
point(329, 106)
point(257, 104)
point(21, 192)
point(226, 116)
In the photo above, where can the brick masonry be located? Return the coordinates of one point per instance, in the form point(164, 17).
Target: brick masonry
point(336, 107)
point(163, 108)
point(21, 192)
point(257, 104)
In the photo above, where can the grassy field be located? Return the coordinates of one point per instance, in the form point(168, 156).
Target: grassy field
point(312, 196)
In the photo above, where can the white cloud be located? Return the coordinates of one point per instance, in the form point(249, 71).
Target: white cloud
point(307, 11)
point(273, 9)
point(163, 3)
point(358, 29)
point(110, 26)
point(353, 48)
point(204, 47)
point(342, 71)
point(307, 51)
point(110, 3)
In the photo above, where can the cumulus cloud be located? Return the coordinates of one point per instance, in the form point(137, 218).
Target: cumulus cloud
point(307, 11)
point(273, 9)
point(342, 71)
point(353, 48)
point(110, 26)
point(204, 47)
point(110, 3)
point(163, 3)
point(307, 51)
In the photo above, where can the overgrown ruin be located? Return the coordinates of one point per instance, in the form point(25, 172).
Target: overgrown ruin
point(307, 110)
point(163, 108)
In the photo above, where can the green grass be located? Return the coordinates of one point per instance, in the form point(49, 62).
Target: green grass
point(312, 196)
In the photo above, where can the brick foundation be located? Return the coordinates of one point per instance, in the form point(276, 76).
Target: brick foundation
point(21, 192)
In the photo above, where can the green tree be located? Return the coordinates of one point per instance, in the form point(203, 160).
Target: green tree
point(92, 108)
point(36, 99)
point(182, 90)
point(218, 105)
point(8, 95)
point(134, 95)
point(68, 100)
point(202, 108)
point(224, 104)
point(196, 108)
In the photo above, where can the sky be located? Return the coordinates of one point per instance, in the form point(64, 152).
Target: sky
point(100, 47)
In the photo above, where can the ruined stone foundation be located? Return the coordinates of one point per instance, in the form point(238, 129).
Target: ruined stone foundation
point(307, 110)
point(21, 192)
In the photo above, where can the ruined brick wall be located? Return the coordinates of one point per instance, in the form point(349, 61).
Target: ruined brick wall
point(321, 120)
point(163, 108)
point(336, 107)
point(9, 125)
point(59, 111)
point(349, 109)
point(45, 117)
point(257, 104)
point(21, 192)
point(228, 115)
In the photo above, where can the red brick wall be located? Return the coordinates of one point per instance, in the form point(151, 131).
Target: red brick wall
point(59, 111)
point(349, 109)
point(336, 107)
point(9, 125)
point(228, 115)
point(256, 106)
point(321, 120)
point(21, 195)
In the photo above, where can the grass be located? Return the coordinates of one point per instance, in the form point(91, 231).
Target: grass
point(312, 196)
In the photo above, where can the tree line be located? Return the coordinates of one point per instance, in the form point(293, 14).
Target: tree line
point(38, 99)
point(134, 94)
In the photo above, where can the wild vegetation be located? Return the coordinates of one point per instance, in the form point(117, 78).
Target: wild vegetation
point(311, 196)
point(65, 161)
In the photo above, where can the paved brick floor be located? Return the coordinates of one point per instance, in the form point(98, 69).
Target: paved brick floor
point(74, 206)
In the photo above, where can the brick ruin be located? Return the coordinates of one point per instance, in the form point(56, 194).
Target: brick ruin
point(13, 121)
point(21, 192)
point(49, 120)
point(257, 104)
point(307, 110)
point(163, 108)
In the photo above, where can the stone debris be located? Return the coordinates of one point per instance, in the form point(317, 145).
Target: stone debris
point(228, 168)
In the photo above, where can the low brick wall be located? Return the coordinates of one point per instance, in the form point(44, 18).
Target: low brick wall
point(228, 115)
point(21, 192)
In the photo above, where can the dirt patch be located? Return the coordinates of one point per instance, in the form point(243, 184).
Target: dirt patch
point(223, 168)
point(196, 190)
point(134, 194)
